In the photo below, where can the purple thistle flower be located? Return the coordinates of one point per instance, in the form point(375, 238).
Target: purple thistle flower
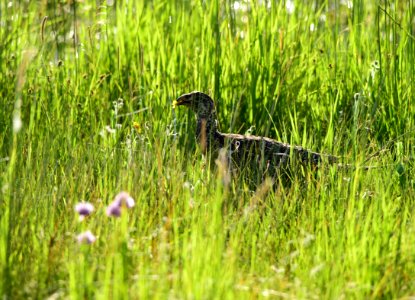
point(122, 199)
point(86, 237)
point(84, 209)
point(114, 210)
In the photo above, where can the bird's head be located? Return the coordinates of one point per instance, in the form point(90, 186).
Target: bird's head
point(199, 102)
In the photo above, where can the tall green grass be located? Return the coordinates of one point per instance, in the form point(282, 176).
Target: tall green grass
point(92, 83)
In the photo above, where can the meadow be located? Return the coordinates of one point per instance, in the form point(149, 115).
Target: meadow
point(86, 93)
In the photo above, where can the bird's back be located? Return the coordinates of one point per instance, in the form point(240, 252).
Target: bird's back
point(259, 150)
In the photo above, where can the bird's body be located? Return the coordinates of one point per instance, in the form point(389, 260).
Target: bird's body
point(249, 151)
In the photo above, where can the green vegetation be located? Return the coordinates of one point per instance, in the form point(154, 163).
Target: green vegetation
point(86, 89)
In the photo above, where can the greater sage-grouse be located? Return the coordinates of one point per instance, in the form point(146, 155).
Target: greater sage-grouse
point(245, 150)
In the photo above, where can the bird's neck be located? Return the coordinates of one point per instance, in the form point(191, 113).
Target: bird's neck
point(206, 130)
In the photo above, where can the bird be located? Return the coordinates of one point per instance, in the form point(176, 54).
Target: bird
point(245, 151)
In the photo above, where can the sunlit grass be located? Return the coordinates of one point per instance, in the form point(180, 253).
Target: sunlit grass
point(86, 100)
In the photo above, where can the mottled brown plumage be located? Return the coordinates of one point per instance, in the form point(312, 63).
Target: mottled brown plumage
point(245, 150)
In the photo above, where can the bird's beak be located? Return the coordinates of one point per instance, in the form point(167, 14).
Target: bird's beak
point(181, 101)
